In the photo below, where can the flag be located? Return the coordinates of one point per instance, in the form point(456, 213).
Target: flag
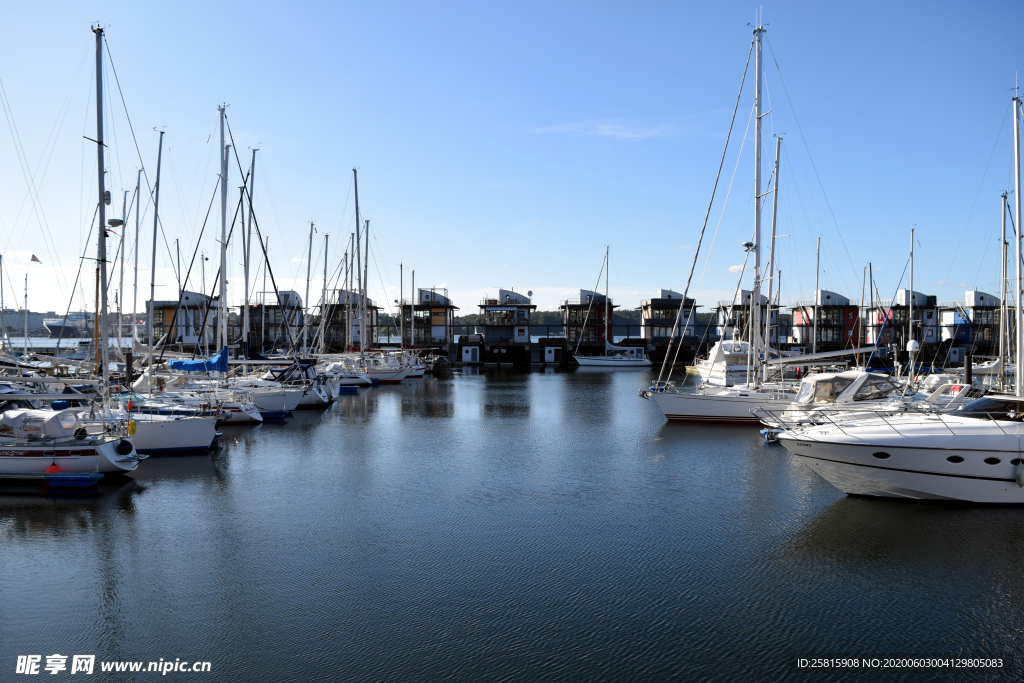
point(35, 259)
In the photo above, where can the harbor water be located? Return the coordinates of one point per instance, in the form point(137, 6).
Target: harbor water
point(507, 525)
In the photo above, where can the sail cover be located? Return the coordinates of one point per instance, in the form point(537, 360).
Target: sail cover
point(218, 363)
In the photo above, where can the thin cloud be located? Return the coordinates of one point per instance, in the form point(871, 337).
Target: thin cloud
point(605, 129)
point(736, 269)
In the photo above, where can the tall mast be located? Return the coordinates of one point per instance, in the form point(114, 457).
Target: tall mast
point(202, 284)
point(135, 292)
point(871, 307)
point(222, 318)
point(309, 265)
point(771, 255)
point(412, 314)
point(263, 305)
point(1019, 381)
point(152, 270)
point(120, 293)
point(755, 304)
point(860, 310)
point(101, 243)
point(323, 300)
point(817, 270)
point(910, 303)
point(366, 285)
point(401, 307)
point(248, 252)
point(24, 341)
point(348, 290)
point(1002, 301)
point(362, 331)
point(607, 306)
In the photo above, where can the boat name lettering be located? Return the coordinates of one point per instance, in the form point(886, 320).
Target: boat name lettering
point(803, 443)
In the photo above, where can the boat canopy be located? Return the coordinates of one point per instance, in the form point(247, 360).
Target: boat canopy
point(40, 423)
point(218, 363)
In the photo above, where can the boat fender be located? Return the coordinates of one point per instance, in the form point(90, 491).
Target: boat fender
point(53, 469)
point(131, 427)
point(80, 433)
point(1020, 473)
point(124, 447)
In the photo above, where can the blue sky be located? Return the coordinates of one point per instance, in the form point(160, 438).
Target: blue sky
point(506, 145)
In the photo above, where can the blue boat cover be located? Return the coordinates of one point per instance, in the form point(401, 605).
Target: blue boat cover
point(218, 363)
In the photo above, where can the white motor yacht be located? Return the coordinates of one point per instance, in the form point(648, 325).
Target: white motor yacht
point(972, 454)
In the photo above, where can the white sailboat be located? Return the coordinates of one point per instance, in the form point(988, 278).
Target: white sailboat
point(614, 356)
point(735, 404)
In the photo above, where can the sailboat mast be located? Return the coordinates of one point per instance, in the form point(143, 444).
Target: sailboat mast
point(817, 270)
point(309, 266)
point(248, 252)
point(401, 307)
point(120, 290)
point(263, 306)
point(366, 285)
point(1002, 301)
point(359, 275)
point(323, 300)
point(101, 243)
point(222, 327)
point(607, 306)
point(755, 304)
point(412, 314)
point(910, 302)
point(135, 292)
point(24, 341)
point(152, 270)
point(1019, 381)
point(771, 255)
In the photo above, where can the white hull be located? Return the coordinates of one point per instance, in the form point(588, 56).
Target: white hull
point(726, 405)
point(608, 362)
point(313, 397)
point(911, 461)
point(240, 413)
point(387, 375)
point(71, 458)
point(161, 434)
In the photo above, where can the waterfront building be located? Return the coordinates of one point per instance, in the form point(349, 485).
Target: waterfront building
point(268, 320)
point(837, 327)
point(506, 325)
point(183, 320)
point(732, 317)
point(343, 321)
point(658, 316)
point(970, 326)
point(887, 325)
point(429, 321)
point(584, 321)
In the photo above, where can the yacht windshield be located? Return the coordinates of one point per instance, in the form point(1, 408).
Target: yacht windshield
point(993, 409)
point(804, 395)
point(875, 389)
point(827, 390)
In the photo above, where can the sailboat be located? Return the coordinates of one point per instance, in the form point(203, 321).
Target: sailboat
point(709, 403)
point(614, 356)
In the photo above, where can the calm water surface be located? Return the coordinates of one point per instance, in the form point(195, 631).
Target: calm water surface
point(509, 526)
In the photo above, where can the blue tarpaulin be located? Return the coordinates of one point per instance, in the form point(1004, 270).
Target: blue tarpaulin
point(218, 363)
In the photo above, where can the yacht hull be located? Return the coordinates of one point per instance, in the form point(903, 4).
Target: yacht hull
point(728, 406)
point(982, 470)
